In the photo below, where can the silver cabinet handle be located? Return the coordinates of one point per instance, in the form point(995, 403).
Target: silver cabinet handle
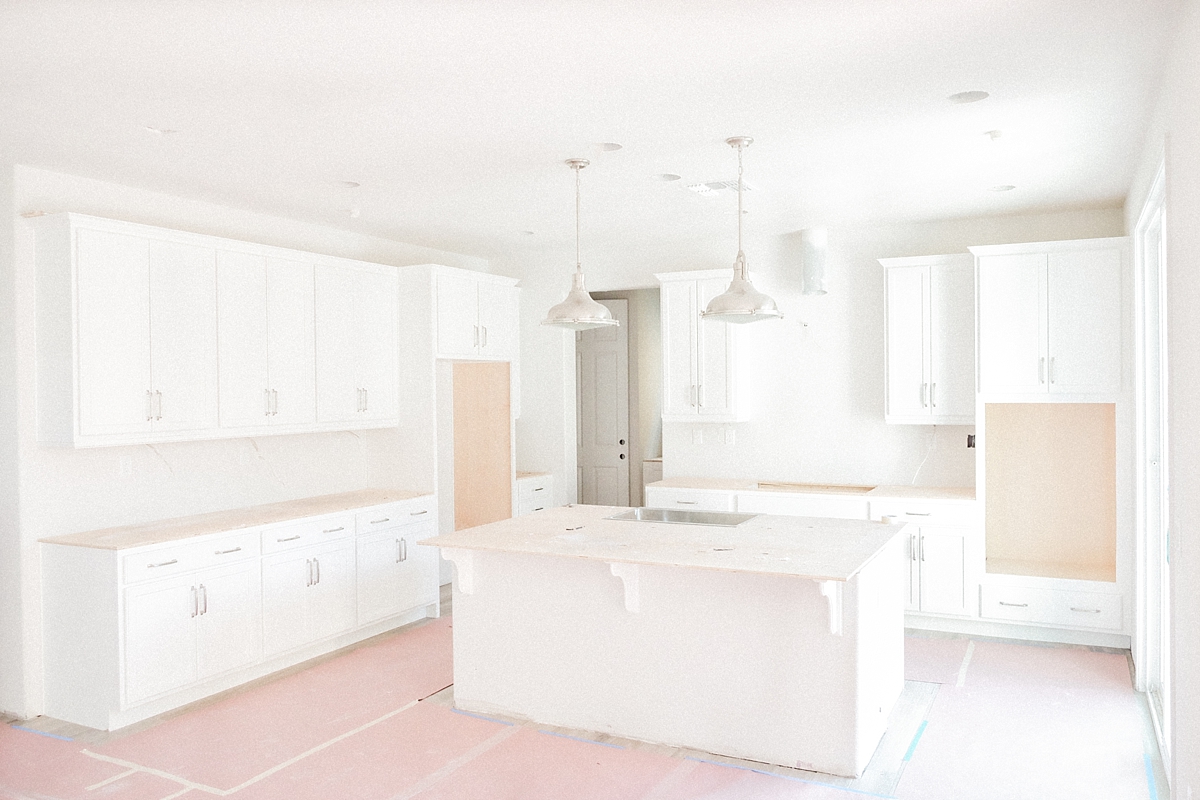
point(289, 538)
point(404, 550)
point(692, 396)
point(398, 551)
point(924, 395)
point(334, 530)
point(379, 521)
point(918, 513)
point(933, 395)
point(418, 513)
point(226, 552)
point(267, 402)
point(310, 572)
point(700, 395)
point(1086, 610)
point(688, 502)
point(274, 402)
point(203, 599)
point(484, 342)
point(476, 344)
point(317, 562)
point(1051, 369)
point(195, 602)
point(912, 546)
point(1042, 369)
point(158, 398)
point(163, 563)
point(922, 548)
point(1014, 605)
point(149, 405)
point(366, 399)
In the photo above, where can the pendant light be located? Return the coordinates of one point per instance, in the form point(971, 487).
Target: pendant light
point(741, 302)
point(579, 312)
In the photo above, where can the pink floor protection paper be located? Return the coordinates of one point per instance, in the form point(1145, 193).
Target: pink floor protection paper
point(934, 660)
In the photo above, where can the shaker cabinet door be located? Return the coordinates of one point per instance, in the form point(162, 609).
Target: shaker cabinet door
point(907, 353)
point(1011, 323)
point(291, 342)
point(242, 339)
point(160, 644)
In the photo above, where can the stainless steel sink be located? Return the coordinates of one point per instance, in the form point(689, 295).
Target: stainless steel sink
point(683, 517)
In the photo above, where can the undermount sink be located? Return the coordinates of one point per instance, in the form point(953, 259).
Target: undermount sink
point(683, 517)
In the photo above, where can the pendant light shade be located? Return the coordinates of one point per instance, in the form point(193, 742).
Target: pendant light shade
point(579, 312)
point(741, 302)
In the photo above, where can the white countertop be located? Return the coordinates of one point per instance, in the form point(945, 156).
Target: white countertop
point(805, 547)
point(170, 530)
point(949, 493)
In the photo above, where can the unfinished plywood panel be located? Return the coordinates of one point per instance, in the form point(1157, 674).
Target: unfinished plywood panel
point(1051, 485)
point(482, 444)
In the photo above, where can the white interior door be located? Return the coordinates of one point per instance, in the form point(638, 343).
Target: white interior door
point(603, 355)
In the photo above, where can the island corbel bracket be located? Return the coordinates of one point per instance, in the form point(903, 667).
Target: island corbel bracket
point(464, 567)
point(629, 575)
point(832, 591)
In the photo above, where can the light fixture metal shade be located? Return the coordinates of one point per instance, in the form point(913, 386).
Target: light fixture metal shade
point(741, 302)
point(579, 311)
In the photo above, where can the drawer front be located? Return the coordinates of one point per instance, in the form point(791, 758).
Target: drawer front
point(695, 499)
point(535, 489)
point(176, 559)
point(925, 512)
point(404, 512)
point(528, 505)
point(802, 505)
point(307, 532)
point(1057, 607)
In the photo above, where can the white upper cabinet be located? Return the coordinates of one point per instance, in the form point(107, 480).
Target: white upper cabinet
point(476, 315)
point(699, 356)
point(1050, 318)
point(126, 335)
point(152, 335)
point(930, 340)
point(356, 334)
point(266, 341)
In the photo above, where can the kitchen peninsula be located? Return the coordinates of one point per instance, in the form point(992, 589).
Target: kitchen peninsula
point(779, 639)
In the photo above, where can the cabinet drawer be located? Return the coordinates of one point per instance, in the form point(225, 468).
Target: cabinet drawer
point(402, 513)
point(535, 488)
point(926, 512)
point(528, 505)
point(175, 559)
point(802, 505)
point(696, 499)
point(1059, 607)
point(307, 532)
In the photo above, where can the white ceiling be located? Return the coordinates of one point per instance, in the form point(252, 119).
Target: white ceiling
point(455, 115)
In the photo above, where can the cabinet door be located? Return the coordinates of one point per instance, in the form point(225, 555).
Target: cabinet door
point(942, 556)
point(183, 336)
point(375, 348)
point(113, 335)
point(678, 299)
point(291, 344)
point(242, 339)
point(1011, 323)
point(498, 321)
point(457, 316)
point(1084, 299)
point(229, 625)
point(286, 579)
point(160, 641)
point(338, 395)
point(716, 384)
point(907, 334)
point(912, 574)
point(394, 572)
point(332, 607)
point(952, 343)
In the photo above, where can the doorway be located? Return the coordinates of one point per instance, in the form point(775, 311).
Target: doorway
point(1153, 640)
point(602, 375)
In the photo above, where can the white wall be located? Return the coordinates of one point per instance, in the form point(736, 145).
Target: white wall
point(1175, 133)
point(63, 490)
point(817, 376)
point(10, 542)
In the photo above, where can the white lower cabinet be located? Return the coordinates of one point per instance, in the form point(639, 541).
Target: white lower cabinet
point(797, 504)
point(135, 630)
point(535, 492)
point(693, 499)
point(1057, 607)
point(937, 575)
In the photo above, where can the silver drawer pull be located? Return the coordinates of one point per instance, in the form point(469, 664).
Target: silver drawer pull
point(688, 502)
point(226, 552)
point(543, 508)
point(918, 513)
point(538, 489)
point(1014, 605)
point(377, 521)
point(1086, 610)
point(418, 513)
point(289, 539)
point(334, 530)
point(163, 563)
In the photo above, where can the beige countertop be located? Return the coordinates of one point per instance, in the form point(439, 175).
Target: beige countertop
point(170, 530)
point(958, 493)
point(805, 547)
point(522, 475)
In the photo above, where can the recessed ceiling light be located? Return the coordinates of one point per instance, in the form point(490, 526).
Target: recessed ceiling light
point(158, 131)
point(1003, 187)
point(968, 97)
point(348, 184)
point(608, 147)
point(666, 177)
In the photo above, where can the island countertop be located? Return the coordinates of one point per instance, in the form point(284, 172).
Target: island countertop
point(804, 547)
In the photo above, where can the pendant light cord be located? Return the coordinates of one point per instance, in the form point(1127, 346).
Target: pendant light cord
point(739, 149)
point(578, 262)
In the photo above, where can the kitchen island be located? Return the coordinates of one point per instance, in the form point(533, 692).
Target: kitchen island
point(778, 640)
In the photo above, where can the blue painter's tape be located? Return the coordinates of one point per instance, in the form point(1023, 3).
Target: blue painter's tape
point(578, 739)
point(480, 716)
point(43, 733)
point(792, 778)
point(1150, 776)
point(912, 748)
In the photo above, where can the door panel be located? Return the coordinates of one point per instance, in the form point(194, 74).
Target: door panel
point(1084, 302)
point(375, 348)
point(678, 303)
point(952, 341)
point(291, 341)
point(338, 396)
point(285, 585)
point(907, 371)
point(332, 608)
point(604, 450)
point(160, 642)
point(229, 627)
point(242, 339)
point(457, 316)
point(483, 471)
point(1011, 306)
point(943, 571)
